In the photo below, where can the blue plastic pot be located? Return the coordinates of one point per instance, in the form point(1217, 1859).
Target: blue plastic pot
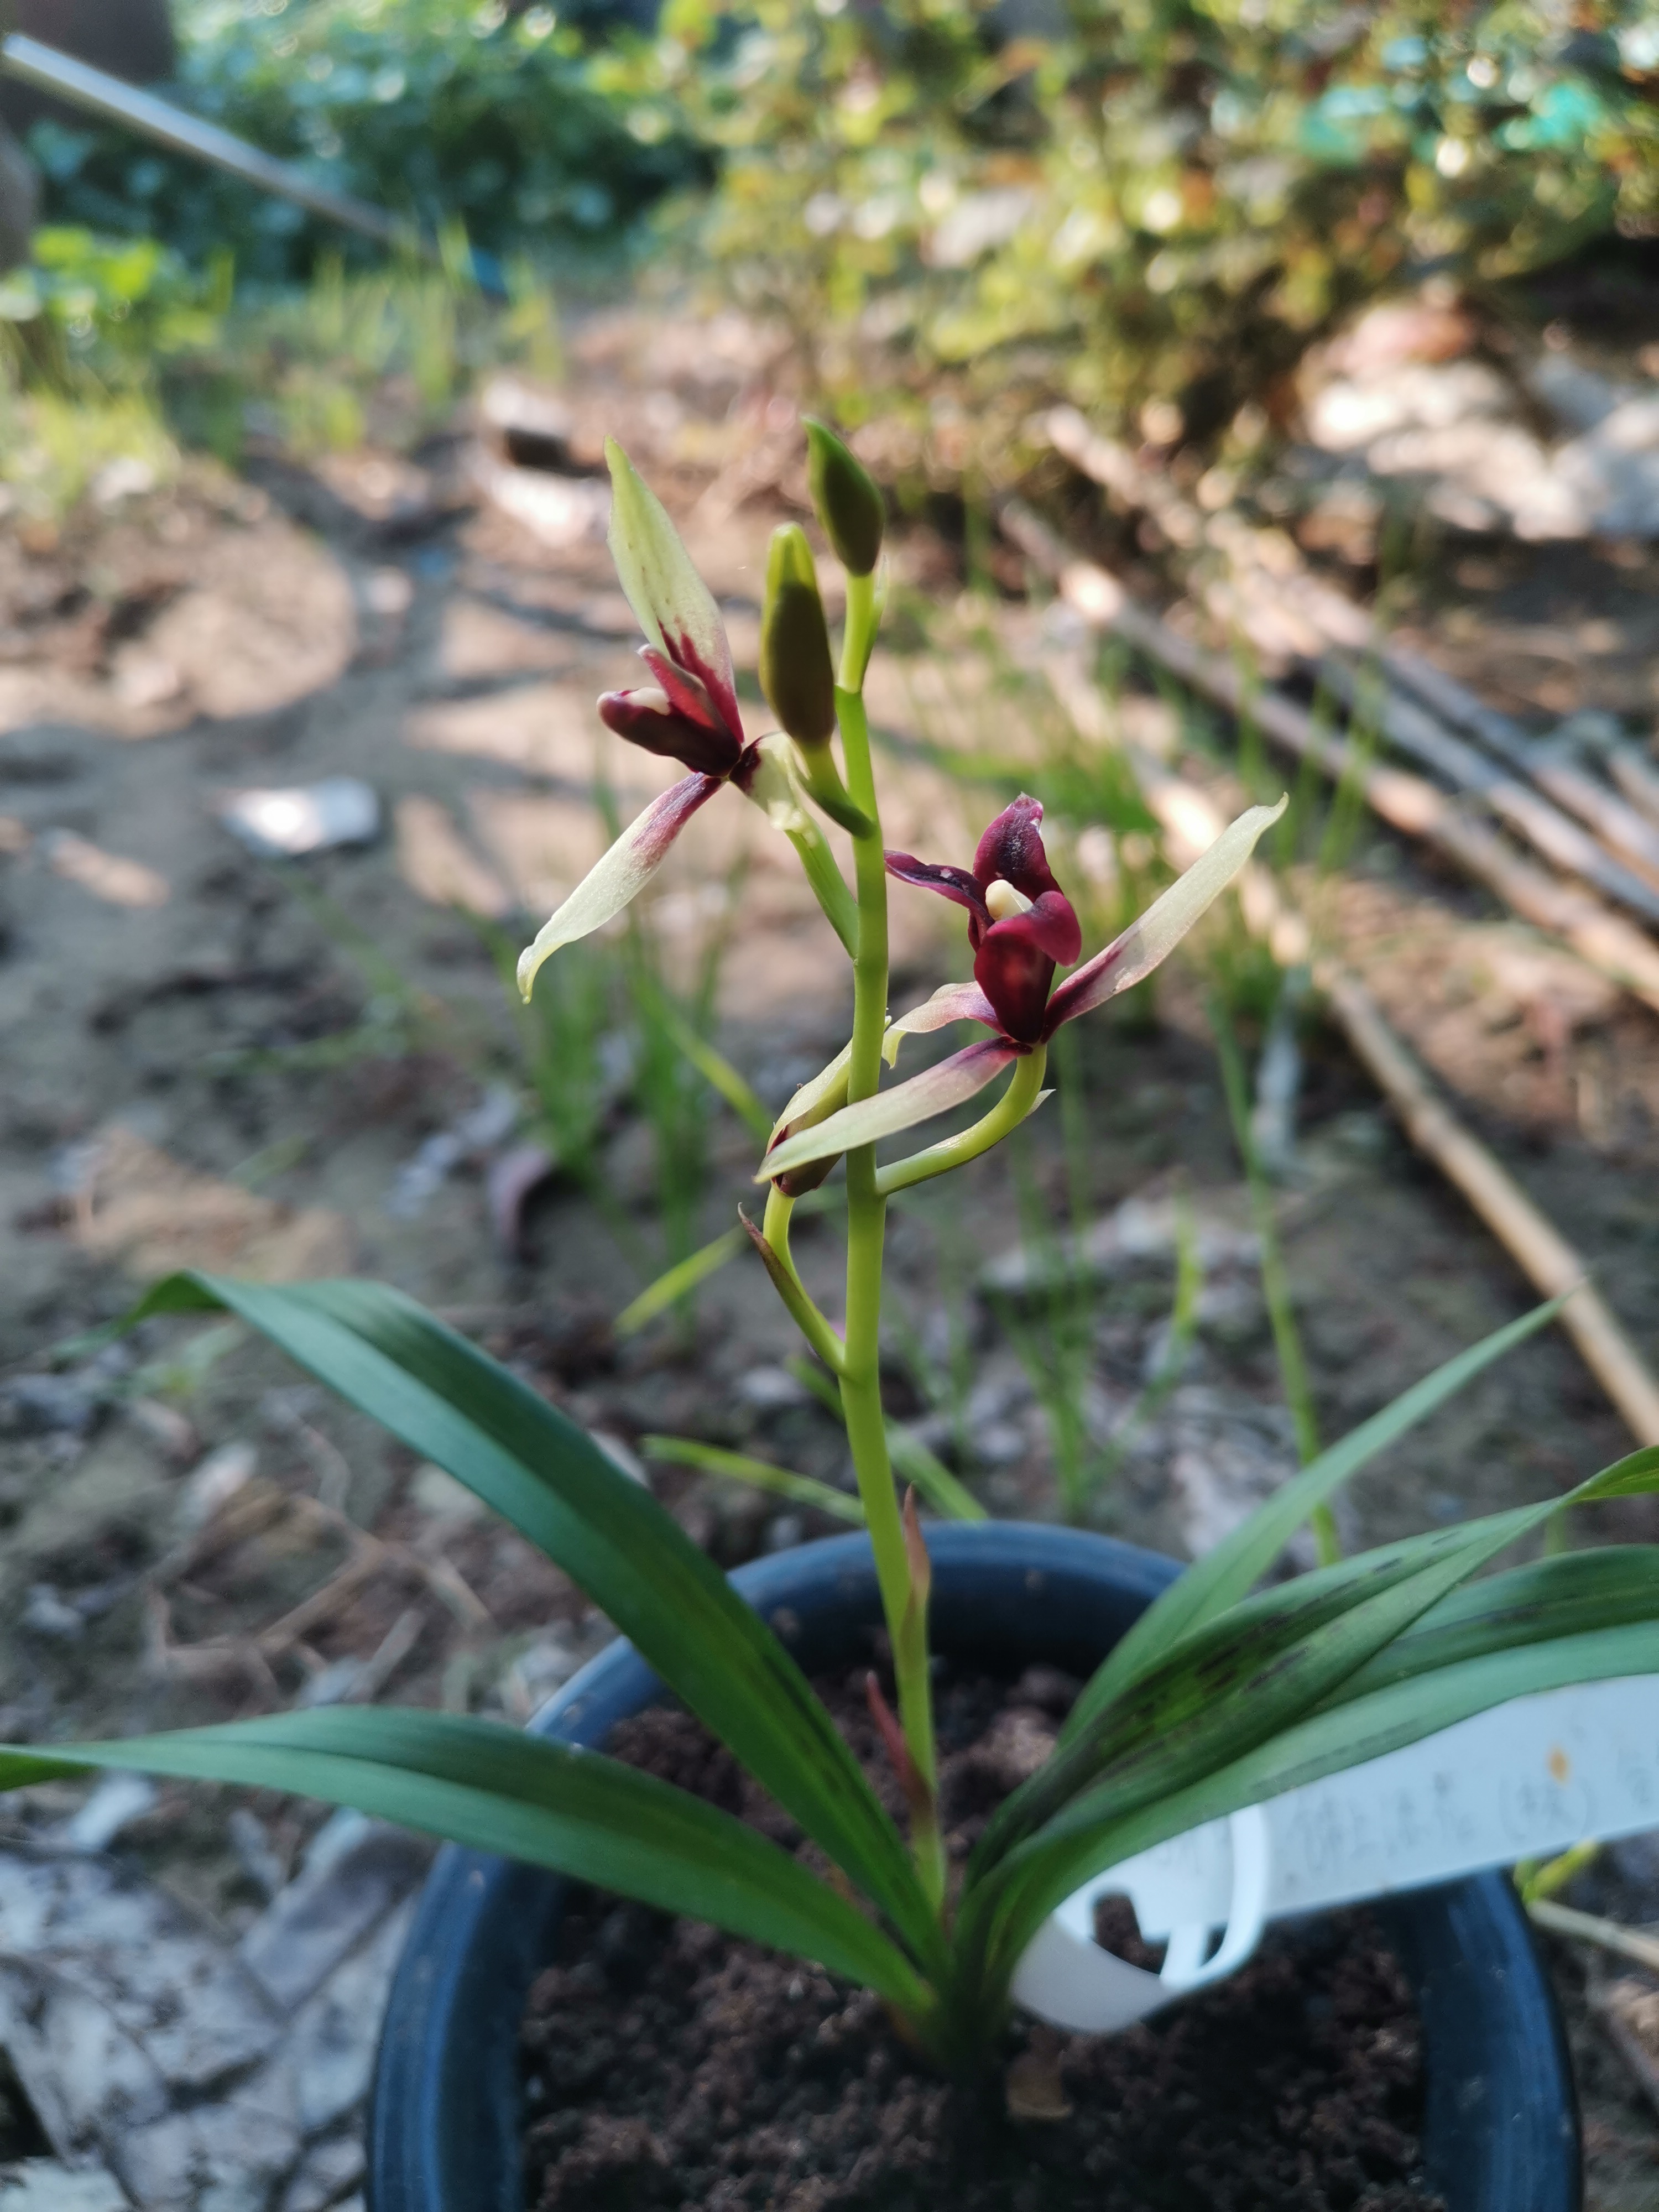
point(1501, 2128)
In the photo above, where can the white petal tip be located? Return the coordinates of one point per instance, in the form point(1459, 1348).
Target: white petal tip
point(530, 962)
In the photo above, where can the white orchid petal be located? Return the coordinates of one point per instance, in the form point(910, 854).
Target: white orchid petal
point(621, 876)
point(672, 603)
point(936, 1091)
point(1146, 942)
point(953, 1002)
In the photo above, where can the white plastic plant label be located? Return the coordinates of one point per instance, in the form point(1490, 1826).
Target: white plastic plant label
point(1526, 1780)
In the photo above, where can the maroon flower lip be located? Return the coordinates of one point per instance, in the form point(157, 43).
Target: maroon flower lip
point(1020, 923)
point(682, 716)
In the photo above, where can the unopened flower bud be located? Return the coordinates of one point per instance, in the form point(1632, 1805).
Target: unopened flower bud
point(826, 1094)
point(848, 498)
point(796, 672)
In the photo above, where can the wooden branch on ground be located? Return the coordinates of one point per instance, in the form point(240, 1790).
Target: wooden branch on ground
point(1604, 940)
point(1306, 616)
point(1526, 1232)
point(1191, 819)
point(1623, 828)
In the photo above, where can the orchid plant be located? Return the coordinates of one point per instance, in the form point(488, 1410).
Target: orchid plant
point(1221, 1695)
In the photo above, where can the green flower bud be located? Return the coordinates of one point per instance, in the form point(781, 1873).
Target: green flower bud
point(848, 498)
point(796, 672)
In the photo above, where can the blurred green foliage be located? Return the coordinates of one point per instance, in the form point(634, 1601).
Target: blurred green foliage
point(961, 209)
point(513, 128)
point(122, 339)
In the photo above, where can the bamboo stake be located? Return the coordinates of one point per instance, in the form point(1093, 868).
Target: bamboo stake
point(1604, 940)
point(1307, 616)
point(1525, 1232)
point(1621, 826)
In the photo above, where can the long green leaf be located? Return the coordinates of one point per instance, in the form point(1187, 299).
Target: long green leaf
point(1259, 1667)
point(488, 1786)
point(453, 1405)
point(1051, 1866)
point(1244, 1683)
point(1223, 1576)
point(1571, 1594)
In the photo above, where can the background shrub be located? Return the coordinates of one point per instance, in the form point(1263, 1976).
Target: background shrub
point(1136, 201)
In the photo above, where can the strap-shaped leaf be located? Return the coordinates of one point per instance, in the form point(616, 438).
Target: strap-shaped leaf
point(1237, 1684)
point(480, 1783)
point(454, 1405)
point(1262, 1666)
point(1048, 1868)
point(1225, 1575)
point(1572, 1594)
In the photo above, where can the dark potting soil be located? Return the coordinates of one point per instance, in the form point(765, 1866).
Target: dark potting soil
point(669, 2068)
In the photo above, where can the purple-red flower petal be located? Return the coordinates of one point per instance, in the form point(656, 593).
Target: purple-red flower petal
point(954, 883)
point(1011, 852)
point(655, 720)
point(1011, 849)
point(1015, 955)
point(1014, 970)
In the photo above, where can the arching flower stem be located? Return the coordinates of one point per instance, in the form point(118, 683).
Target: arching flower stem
point(1022, 1097)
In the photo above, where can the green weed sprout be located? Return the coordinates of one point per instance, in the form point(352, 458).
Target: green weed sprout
point(1220, 1695)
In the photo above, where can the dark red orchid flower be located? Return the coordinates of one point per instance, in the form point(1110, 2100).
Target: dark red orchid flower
point(690, 715)
point(1020, 923)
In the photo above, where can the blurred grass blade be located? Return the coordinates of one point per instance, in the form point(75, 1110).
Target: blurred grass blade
point(935, 1484)
point(712, 1065)
point(1225, 1575)
point(550, 1804)
point(662, 1295)
point(737, 1466)
point(1275, 1281)
point(453, 1405)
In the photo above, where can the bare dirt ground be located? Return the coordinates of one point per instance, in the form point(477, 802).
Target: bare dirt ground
point(212, 1060)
